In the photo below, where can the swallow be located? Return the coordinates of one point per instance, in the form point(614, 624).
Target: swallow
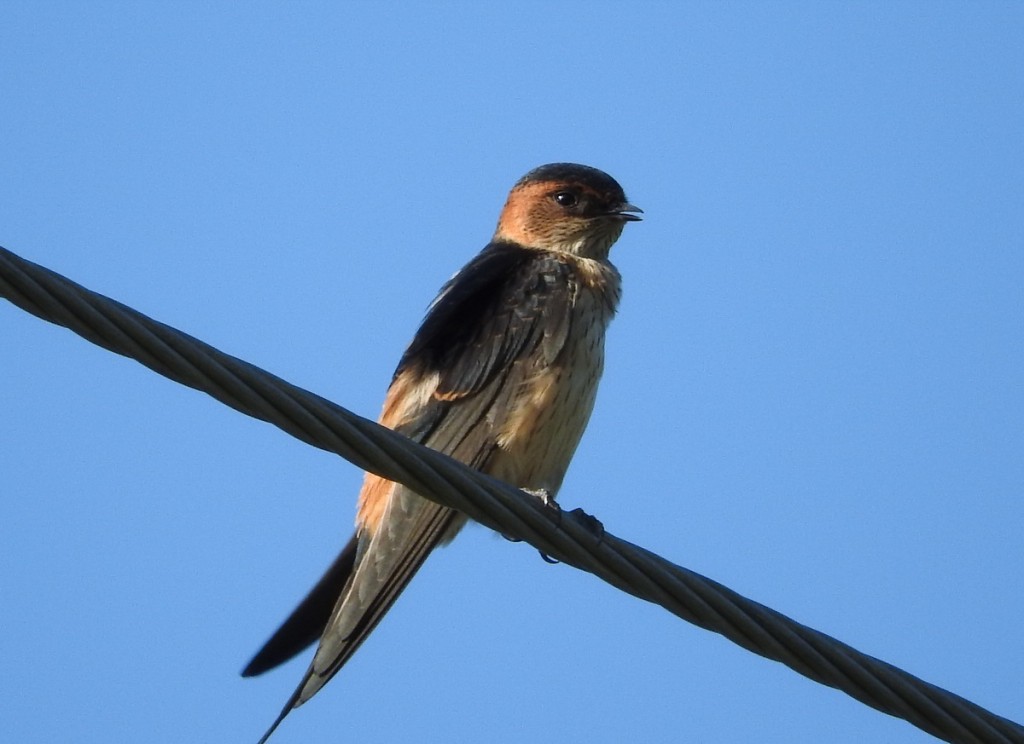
point(501, 375)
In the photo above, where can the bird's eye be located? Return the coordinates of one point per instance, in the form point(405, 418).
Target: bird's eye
point(566, 199)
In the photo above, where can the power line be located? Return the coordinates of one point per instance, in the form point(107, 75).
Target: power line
point(571, 537)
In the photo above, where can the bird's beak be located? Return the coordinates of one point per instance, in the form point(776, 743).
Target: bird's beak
point(623, 212)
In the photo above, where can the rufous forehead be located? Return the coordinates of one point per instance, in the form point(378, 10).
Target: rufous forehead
point(533, 190)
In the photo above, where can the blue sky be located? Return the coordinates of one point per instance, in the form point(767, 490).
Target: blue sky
point(814, 390)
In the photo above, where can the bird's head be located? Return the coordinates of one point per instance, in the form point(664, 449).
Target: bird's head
point(566, 207)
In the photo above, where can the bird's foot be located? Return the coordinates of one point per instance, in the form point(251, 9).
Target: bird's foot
point(548, 501)
point(588, 522)
point(544, 496)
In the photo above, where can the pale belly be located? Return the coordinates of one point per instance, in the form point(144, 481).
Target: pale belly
point(552, 411)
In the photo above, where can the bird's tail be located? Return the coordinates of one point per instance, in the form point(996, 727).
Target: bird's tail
point(307, 622)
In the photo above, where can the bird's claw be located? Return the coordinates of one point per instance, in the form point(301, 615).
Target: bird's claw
point(545, 497)
point(588, 522)
point(548, 502)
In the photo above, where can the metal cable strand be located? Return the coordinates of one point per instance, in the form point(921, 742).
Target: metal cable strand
point(570, 537)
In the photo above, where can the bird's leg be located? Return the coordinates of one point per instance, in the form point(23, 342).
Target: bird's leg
point(544, 496)
point(548, 500)
point(589, 522)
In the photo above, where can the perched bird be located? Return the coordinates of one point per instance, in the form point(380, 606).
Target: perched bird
point(501, 375)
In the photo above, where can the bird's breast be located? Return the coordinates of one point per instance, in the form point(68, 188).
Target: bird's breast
point(555, 401)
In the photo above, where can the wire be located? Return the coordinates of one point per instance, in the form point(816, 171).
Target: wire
point(570, 537)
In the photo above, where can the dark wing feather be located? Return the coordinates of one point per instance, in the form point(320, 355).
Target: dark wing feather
point(505, 307)
point(306, 623)
point(495, 310)
point(505, 299)
point(500, 318)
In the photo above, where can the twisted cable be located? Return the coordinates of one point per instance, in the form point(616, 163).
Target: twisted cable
point(571, 537)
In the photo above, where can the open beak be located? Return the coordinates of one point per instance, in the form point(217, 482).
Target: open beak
point(625, 212)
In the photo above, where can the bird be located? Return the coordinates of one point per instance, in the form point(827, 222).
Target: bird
point(501, 375)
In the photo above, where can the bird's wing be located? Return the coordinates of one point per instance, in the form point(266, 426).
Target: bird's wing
point(494, 326)
point(307, 621)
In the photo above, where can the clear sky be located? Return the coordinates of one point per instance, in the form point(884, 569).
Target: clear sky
point(814, 389)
